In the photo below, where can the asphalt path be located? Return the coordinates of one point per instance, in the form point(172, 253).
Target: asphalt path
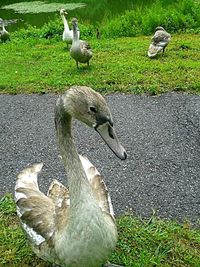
point(161, 135)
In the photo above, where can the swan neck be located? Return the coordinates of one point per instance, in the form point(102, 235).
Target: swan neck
point(75, 33)
point(65, 22)
point(78, 183)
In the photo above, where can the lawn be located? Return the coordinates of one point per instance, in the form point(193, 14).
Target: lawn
point(121, 64)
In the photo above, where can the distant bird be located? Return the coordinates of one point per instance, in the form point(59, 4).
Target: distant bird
point(80, 50)
point(159, 42)
point(72, 227)
point(98, 35)
point(67, 33)
point(4, 34)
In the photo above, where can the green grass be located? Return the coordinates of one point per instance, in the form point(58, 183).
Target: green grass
point(38, 65)
point(152, 242)
point(175, 16)
point(143, 17)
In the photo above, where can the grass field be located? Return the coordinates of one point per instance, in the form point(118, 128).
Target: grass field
point(141, 243)
point(121, 64)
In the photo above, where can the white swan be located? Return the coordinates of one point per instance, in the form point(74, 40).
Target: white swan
point(67, 33)
point(80, 50)
point(75, 227)
point(4, 34)
point(159, 42)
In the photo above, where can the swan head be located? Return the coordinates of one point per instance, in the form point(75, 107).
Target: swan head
point(63, 12)
point(160, 28)
point(75, 22)
point(90, 107)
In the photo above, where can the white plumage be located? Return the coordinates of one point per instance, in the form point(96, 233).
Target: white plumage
point(4, 34)
point(67, 33)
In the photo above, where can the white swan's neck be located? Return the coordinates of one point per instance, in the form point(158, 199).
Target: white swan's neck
point(66, 27)
point(80, 190)
point(3, 28)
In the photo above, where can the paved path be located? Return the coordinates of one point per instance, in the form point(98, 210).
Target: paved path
point(161, 135)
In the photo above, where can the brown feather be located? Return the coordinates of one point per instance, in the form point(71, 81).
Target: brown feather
point(38, 212)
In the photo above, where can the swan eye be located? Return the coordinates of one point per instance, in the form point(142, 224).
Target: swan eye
point(93, 109)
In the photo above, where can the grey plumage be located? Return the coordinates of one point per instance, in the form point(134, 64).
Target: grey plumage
point(74, 226)
point(159, 42)
point(80, 50)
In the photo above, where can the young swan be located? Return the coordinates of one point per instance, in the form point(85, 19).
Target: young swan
point(75, 226)
point(159, 42)
point(80, 50)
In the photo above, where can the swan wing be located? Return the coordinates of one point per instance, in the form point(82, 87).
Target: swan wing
point(161, 38)
point(68, 35)
point(154, 50)
point(85, 47)
point(36, 211)
point(59, 194)
point(98, 185)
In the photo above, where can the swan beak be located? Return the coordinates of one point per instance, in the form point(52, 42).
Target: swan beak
point(108, 134)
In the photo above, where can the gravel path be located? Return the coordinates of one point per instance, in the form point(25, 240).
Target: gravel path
point(161, 136)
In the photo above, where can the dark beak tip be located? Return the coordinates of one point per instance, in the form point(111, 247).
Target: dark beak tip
point(124, 156)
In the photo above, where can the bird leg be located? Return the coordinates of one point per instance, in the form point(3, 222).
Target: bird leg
point(163, 51)
point(77, 64)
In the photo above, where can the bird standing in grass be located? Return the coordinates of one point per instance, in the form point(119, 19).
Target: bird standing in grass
point(67, 33)
point(80, 50)
point(159, 42)
point(4, 34)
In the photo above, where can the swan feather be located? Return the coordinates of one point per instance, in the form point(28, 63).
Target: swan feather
point(37, 220)
point(98, 185)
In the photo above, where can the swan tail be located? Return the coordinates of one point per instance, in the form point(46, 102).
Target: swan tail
point(98, 185)
point(154, 50)
point(35, 210)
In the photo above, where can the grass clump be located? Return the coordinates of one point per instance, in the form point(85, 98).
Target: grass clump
point(176, 16)
point(156, 242)
point(179, 16)
point(152, 242)
point(52, 29)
